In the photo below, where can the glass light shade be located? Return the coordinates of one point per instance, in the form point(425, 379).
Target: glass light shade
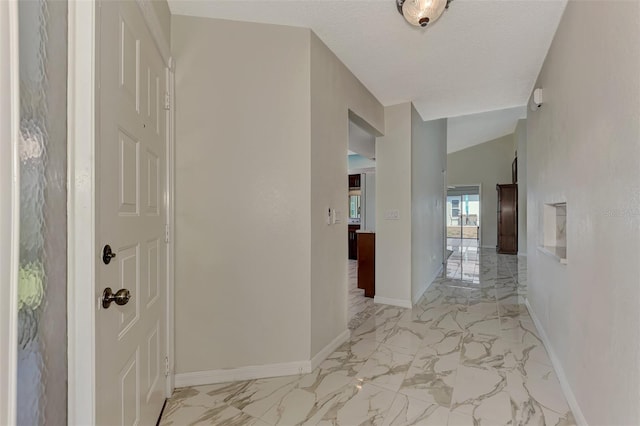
point(423, 12)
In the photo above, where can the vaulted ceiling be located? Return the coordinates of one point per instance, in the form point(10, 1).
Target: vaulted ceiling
point(481, 55)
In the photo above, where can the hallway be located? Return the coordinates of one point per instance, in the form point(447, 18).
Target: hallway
point(467, 353)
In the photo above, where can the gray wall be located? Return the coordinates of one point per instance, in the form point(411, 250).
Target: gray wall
point(277, 101)
point(428, 161)
point(520, 136)
point(487, 164)
point(393, 192)
point(334, 92)
point(583, 147)
point(361, 142)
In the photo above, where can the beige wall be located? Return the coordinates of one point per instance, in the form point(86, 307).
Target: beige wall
point(520, 137)
point(243, 234)
point(161, 8)
point(487, 164)
point(393, 192)
point(334, 92)
point(584, 148)
point(428, 162)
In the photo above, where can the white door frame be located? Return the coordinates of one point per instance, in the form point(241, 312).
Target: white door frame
point(82, 300)
point(9, 207)
point(170, 236)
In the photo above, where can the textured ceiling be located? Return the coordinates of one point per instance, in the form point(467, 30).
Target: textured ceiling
point(482, 55)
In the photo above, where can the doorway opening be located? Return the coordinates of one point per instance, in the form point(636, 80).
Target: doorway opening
point(463, 231)
point(360, 205)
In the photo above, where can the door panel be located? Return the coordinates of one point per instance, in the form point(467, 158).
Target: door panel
point(131, 145)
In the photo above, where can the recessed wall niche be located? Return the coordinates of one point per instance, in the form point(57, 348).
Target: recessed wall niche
point(555, 231)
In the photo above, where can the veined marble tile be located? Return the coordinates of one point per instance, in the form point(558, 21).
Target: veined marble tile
point(520, 329)
point(390, 313)
point(483, 309)
point(311, 398)
point(258, 396)
point(442, 341)
point(431, 376)
point(406, 411)
point(366, 407)
point(432, 312)
point(482, 295)
point(407, 335)
point(462, 419)
point(443, 317)
point(224, 414)
point(412, 315)
point(482, 393)
point(513, 306)
point(387, 367)
point(478, 324)
point(506, 292)
point(185, 415)
point(360, 314)
point(518, 354)
point(441, 294)
point(349, 358)
point(197, 397)
point(537, 398)
point(373, 328)
point(482, 351)
point(180, 400)
point(504, 279)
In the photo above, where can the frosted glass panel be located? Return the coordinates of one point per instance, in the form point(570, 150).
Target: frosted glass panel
point(42, 291)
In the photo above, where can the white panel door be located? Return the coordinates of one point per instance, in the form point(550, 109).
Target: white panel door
point(131, 218)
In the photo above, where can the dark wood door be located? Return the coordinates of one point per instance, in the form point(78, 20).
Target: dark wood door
point(507, 219)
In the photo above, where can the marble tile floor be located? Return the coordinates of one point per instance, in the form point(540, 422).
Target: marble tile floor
point(360, 307)
point(463, 263)
point(467, 353)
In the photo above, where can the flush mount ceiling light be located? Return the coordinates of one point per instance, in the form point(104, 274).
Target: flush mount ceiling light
point(422, 12)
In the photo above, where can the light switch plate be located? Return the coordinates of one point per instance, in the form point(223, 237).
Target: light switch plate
point(337, 216)
point(392, 214)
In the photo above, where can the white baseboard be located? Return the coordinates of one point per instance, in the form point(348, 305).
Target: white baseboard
point(260, 371)
point(328, 350)
point(403, 303)
point(488, 247)
point(522, 254)
point(562, 378)
point(420, 292)
point(242, 373)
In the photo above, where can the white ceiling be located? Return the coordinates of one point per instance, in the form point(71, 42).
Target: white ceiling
point(481, 55)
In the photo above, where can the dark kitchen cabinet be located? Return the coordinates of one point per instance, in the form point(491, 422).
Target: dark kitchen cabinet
point(367, 263)
point(507, 219)
point(353, 241)
point(354, 181)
